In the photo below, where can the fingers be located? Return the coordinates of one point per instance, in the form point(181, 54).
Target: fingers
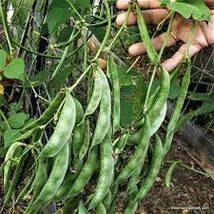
point(139, 48)
point(145, 4)
point(173, 62)
point(151, 16)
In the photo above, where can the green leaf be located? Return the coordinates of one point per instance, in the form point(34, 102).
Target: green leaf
point(3, 56)
point(127, 97)
point(125, 78)
point(195, 9)
point(18, 120)
point(13, 108)
point(59, 12)
point(65, 34)
point(82, 4)
point(61, 77)
point(15, 69)
point(99, 32)
point(10, 135)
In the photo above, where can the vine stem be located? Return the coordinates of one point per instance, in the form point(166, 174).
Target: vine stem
point(5, 119)
point(190, 168)
point(108, 30)
point(70, 89)
point(63, 58)
point(159, 56)
point(102, 46)
point(74, 9)
point(121, 29)
point(4, 22)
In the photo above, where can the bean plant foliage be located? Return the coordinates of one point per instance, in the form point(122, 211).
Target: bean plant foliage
point(78, 127)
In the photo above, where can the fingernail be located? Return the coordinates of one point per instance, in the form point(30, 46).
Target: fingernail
point(133, 50)
point(120, 19)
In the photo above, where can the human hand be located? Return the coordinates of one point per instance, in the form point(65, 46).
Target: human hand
point(203, 35)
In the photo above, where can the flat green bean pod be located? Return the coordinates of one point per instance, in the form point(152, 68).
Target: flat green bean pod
point(106, 172)
point(153, 171)
point(9, 155)
point(161, 98)
point(139, 155)
point(78, 137)
point(96, 95)
point(87, 136)
point(171, 127)
point(152, 54)
point(63, 129)
point(40, 178)
point(64, 189)
point(100, 209)
point(53, 183)
point(104, 117)
point(84, 175)
point(82, 208)
point(107, 200)
point(112, 69)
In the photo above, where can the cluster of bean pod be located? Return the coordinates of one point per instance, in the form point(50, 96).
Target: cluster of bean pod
point(82, 165)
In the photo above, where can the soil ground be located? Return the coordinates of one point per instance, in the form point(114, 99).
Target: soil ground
point(191, 192)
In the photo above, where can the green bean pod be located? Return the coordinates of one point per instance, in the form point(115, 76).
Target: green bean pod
point(112, 70)
point(107, 200)
point(84, 175)
point(114, 190)
point(79, 111)
point(16, 176)
point(82, 208)
point(131, 190)
point(171, 127)
point(168, 177)
point(152, 54)
point(161, 98)
point(100, 209)
point(87, 136)
point(40, 178)
point(96, 95)
point(132, 185)
point(64, 189)
point(131, 207)
point(104, 117)
point(63, 129)
point(53, 183)
point(78, 137)
point(153, 171)
point(106, 172)
point(9, 155)
point(79, 129)
point(71, 205)
point(139, 155)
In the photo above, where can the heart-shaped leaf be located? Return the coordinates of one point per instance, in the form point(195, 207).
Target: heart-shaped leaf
point(15, 69)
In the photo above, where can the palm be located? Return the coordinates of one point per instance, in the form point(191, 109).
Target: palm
point(203, 33)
